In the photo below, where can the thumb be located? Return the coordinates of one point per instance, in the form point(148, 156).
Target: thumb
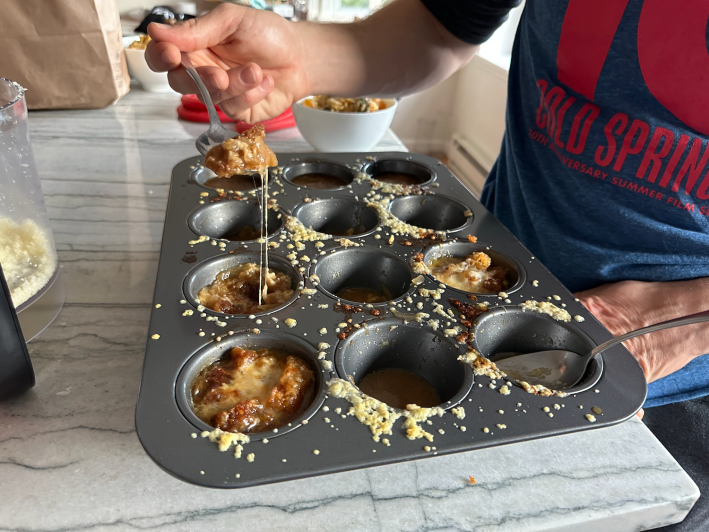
point(200, 33)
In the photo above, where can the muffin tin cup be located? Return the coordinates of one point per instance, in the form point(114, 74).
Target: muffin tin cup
point(201, 175)
point(223, 220)
point(340, 171)
point(391, 344)
point(338, 215)
point(432, 211)
point(458, 248)
point(206, 272)
point(363, 267)
point(506, 330)
point(425, 174)
point(246, 340)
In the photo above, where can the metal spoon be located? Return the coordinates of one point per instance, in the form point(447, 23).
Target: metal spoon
point(560, 369)
point(217, 133)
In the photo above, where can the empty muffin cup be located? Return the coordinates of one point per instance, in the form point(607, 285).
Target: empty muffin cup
point(400, 172)
point(205, 178)
point(390, 345)
point(370, 269)
point(431, 211)
point(338, 216)
point(507, 331)
point(205, 273)
point(233, 220)
point(268, 339)
point(320, 175)
point(515, 277)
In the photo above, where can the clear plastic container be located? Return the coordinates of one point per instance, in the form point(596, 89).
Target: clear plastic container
point(27, 252)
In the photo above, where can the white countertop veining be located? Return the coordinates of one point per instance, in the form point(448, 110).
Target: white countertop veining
point(69, 455)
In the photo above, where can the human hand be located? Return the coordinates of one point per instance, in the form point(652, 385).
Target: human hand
point(250, 60)
point(628, 305)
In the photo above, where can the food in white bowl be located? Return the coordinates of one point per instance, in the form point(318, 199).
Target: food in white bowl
point(139, 69)
point(342, 130)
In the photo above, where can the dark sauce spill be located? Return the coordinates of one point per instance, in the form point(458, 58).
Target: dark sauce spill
point(398, 388)
point(190, 257)
point(318, 181)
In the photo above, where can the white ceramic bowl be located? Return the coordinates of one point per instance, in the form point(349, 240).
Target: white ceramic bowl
point(139, 69)
point(343, 132)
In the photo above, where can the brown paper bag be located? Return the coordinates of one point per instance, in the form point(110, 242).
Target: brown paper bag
point(67, 53)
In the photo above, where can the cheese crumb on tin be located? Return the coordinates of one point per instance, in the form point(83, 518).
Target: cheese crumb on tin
point(544, 307)
point(290, 322)
point(591, 418)
point(155, 336)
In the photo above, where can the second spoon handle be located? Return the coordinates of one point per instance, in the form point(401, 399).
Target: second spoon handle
point(677, 322)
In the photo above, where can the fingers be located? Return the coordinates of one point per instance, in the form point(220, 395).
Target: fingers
point(214, 78)
point(240, 106)
point(162, 56)
point(640, 413)
point(202, 32)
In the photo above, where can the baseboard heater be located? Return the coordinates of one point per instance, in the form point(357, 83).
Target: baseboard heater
point(468, 163)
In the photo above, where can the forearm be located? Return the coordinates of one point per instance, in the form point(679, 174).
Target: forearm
point(400, 49)
point(631, 305)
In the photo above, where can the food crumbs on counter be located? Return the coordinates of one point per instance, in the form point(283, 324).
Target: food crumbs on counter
point(462, 428)
point(426, 448)
point(596, 391)
point(505, 390)
point(188, 312)
point(201, 333)
point(501, 426)
point(458, 412)
point(486, 430)
point(579, 318)
point(596, 410)
point(591, 418)
point(158, 305)
point(316, 452)
point(491, 386)
point(472, 479)
point(238, 475)
point(201, 472)
point(304, 422)
point(284, 460)
point(204, 194)
point(323, 331)
point(581, 407)
point(556, 298)
point(550, 414)
point(193, 435)
point(265, 440)
point(250, 457)
point(155, 337)
point(183, 301)
point(322, 305)
point(385, 441)
point(500, 411)
point(441, 431)
point(290, 322)
point(327, 365)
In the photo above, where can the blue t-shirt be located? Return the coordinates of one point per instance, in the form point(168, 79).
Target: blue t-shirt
point(604, 167)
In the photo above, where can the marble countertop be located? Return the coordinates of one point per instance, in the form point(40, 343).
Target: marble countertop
point(69, 455)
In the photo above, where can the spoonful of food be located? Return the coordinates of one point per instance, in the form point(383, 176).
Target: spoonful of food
point(560, 369)
point(217, 133)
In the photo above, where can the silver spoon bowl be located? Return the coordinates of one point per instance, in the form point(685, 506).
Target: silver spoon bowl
point(217, 133)
point(559, 369)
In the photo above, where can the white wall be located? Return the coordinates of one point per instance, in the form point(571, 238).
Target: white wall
point(424, 121)
point(479, 104)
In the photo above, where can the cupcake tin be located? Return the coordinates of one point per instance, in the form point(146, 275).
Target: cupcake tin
point(324, 439)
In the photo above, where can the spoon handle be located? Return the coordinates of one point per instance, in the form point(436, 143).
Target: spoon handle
point(213, 116)
point(677, 322)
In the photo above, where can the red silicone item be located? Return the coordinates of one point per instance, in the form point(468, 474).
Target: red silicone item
point(195, 111)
